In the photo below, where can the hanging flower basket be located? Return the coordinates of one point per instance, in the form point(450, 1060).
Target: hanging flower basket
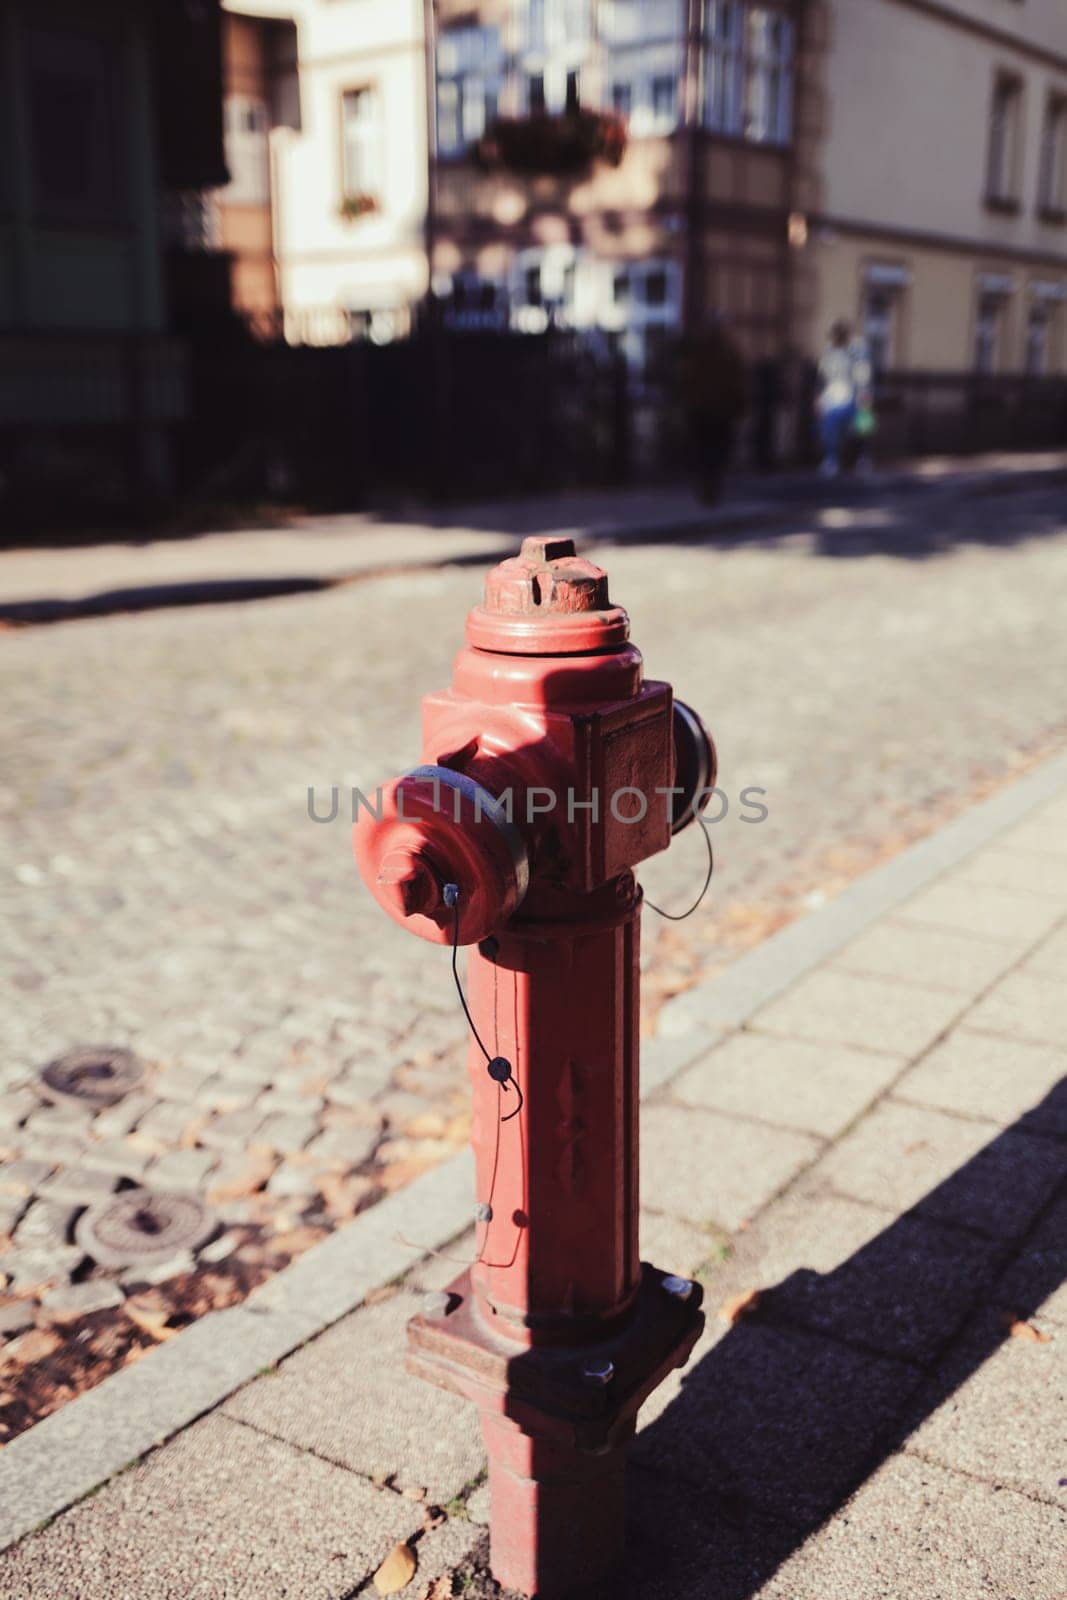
point(558, 146)
point(358, 205)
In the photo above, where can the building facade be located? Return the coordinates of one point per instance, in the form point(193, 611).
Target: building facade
point(110, 112)
point(326, 139)
point(641, 170)
point(932, 174)
point(688, 219)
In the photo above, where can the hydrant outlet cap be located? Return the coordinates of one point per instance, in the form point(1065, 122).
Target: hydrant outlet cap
point(547, 600)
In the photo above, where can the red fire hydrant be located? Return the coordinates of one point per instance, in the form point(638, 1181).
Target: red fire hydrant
point(551, 768)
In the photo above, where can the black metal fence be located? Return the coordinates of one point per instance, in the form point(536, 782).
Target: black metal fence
point(923, 413)
point(441, 415)
point(101, 429)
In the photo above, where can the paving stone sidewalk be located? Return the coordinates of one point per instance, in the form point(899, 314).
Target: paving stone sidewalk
point(881, 1151)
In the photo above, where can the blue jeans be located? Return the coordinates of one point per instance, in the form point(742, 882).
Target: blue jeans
point(834, 425)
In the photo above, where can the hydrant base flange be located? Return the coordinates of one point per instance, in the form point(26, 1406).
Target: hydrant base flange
point(546, 1390)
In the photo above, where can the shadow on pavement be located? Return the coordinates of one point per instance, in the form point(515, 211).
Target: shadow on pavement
point(796, 1405)
point(863, 519)
point(912, 519)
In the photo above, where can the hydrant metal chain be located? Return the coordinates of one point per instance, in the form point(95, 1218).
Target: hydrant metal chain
point(680, 916)
point(499, 1066)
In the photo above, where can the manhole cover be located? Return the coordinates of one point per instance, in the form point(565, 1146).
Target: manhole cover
point(97, 1076)
point(138, 1228)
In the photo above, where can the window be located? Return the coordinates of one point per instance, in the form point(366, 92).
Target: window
point(879, 328)
point(646, 56)
point(469, 73)
point(749, 82)
point(1043, 326)
point(664, 102)
point(641, 21)
point(622, 99)
point(656, 287)
point(1037, 331)
point(989, 328)
point(544, 288)
point(1052, 176)
point(575, 20)
point(1005, 141)
point(74, 97)
point(474, 304)
point(573, 99)
point(535, 25)
point(550, 41)
point(361, 153)
point(247, 127)
point(543, 26)
point(884, 286)
point(641, 304)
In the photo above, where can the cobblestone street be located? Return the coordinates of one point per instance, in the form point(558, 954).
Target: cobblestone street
point(164, 889)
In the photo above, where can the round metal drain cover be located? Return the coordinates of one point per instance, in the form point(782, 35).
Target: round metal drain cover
point(139, 1228)
point(94, 1075)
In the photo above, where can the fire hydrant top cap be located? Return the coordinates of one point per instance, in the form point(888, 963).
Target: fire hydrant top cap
point(547, 600)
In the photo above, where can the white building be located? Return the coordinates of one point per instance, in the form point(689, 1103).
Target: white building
point(346, 181)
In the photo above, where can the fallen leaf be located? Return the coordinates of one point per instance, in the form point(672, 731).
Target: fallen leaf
point(254, 1173)
point(1018, 1329)
point(297, 1240)
point(35, 1345)
point(739, 1305)
point(396, 1571)
point(151, 1312)
point(343, 1197)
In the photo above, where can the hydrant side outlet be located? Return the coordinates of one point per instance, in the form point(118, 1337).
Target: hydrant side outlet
point(551, 768)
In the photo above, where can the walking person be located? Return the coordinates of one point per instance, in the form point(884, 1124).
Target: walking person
point(844, 389)
point(714, 392)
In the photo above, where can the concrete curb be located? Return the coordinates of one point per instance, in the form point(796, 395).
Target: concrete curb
point(69, 1454)
point(733, 996)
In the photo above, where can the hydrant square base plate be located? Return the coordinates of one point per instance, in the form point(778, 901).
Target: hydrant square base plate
point(547, 1390)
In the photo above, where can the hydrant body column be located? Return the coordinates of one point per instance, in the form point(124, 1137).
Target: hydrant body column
point(558, 1265)
point(551, 769)
point(559, 1257)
